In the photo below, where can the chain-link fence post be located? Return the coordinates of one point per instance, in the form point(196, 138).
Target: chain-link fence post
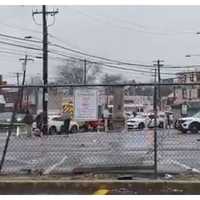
point(10, 130)
point(155, 130)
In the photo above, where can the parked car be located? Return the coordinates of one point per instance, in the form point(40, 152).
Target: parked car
point(56, 125)
point(145, 120)
point(191, 124)
point(136, 123)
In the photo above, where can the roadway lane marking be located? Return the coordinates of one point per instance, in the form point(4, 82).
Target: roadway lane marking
point(185, 166)
point(101, 192)
point(51, 168)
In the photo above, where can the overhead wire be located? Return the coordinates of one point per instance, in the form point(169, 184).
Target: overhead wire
point(21, 46)
point(108, 20)
point(69, 49)
point(11, 53)
point(98, 57)
point(80, 52)
point(142, 26)
point(83, 53)
point(113, 61)
point(19, 38)
point(101, 63)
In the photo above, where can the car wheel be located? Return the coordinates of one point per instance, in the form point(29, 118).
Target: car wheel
point(74, 129)
point(194, 128)
point(183, 131)
point(141, 126)
point(52, 130)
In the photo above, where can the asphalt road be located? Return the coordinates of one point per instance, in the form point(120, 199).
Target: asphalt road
point(176, 152)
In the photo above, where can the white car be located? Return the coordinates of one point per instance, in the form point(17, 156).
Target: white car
point(145, 121)
point(191, 124)
point(56, 125)
point(136, 123)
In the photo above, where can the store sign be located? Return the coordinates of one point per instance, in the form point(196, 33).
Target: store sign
point(86, 104)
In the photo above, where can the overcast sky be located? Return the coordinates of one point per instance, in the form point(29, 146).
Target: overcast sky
point(129, 33)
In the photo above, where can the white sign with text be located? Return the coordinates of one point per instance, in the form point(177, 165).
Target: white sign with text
point(86, 104)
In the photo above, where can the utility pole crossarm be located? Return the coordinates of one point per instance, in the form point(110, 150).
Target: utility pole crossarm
point(52, 13)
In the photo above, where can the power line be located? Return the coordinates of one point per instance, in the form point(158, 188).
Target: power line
point(21, 46)
point(98, 57)
point(112, 66)
point(142, 26)
point(109, 65)
point(14, 41)
point(82, 53)
point(86, 54)
point(13, 51)
point(69, 49)
point(110, 21)
point(18, 38)
point(115, 61)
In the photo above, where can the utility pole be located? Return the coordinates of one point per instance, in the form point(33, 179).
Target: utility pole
point(158, 64)
point(155, 75)
point(24, 64)
point(45, 64)
point(155, 125)
point(85, 72)
point(17, 76)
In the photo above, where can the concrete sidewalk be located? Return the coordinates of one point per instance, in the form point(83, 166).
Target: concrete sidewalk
point(40, 185)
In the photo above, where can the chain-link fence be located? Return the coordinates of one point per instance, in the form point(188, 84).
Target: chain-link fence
point(120, 129)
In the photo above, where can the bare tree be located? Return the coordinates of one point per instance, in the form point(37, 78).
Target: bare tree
point(111, 79)
point(72, 72)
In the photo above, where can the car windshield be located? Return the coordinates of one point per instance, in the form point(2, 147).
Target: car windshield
point(197, 115)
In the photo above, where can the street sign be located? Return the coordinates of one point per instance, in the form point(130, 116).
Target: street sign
point(86, 104)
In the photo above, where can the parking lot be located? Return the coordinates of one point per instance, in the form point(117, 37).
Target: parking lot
point(60, 153)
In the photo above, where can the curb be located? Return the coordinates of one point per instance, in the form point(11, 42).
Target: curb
point(90, 187)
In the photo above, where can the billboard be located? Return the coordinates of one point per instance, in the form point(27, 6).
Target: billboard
point(86, 104)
